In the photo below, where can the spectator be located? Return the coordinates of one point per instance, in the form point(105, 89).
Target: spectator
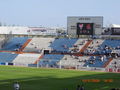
point(16, 86)
point(82, 87)
point(78, 87)
point(66, 89)
point(102, 59)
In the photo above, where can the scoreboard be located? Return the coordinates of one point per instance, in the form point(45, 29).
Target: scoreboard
point(84, 25)
point(85, 28)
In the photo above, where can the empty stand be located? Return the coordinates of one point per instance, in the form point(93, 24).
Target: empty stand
point(26, 58)
point(7, 57)
point(38, 44)
point(15, 43)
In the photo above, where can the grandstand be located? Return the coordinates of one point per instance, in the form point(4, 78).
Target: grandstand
point(72, 53)
point(58, 47)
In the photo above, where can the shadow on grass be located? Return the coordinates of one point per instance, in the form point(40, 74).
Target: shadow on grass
point(57, 83)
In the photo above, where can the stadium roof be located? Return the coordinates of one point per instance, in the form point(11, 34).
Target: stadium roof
point(115, 25)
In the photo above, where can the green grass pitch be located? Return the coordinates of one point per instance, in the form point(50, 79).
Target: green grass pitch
point(56, 79)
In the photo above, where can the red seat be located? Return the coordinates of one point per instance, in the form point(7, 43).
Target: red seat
point(118, 70)
point(110, 70)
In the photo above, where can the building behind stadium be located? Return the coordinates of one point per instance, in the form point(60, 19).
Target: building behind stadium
point(31, 31)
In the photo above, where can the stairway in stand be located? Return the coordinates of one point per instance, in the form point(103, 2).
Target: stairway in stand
point(41, 56)
point(25, 44)
point(85, 46)
point(105, 65)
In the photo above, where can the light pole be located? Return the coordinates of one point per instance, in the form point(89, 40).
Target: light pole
point(60, 64)
point(37, 63)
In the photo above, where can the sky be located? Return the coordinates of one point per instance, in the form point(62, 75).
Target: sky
point(54, 12)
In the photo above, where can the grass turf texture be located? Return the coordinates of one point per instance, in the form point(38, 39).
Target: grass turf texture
point(54, 79)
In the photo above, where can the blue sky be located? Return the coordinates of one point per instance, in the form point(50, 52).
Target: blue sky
point(55, 12)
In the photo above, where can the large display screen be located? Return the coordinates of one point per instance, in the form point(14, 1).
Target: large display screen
point(115, 31)
point(84, 28)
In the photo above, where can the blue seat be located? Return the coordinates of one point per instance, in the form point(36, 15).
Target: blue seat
point(7, 57)
point(14, 43)
point(62, 44)
point(111, 43)
point(50, 59)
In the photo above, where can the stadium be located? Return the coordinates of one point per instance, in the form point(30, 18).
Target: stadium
point(42, 58)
